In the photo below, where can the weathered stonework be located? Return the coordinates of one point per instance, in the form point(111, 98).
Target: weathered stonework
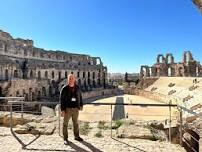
point(36, 73)
point(166, 66)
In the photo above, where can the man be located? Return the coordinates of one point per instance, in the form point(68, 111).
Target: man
point(71, 103)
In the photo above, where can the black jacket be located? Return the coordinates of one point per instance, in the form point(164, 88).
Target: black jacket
point(66, 98)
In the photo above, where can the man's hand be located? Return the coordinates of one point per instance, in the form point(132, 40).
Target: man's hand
point(62, 113)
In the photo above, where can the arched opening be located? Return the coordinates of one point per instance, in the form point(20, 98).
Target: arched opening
point(33, 54)
point(15, 73)
point(144, 71)
point(197, 71)
point(59, 75)
point(93, 75)
point(98, 82)
point(39, 74)
point(66, 74)
point(6, 74)
point(98, 61)
point(31, 74)
point(88, 74)
point(150, 71)
point(46, 74)
point(78, 74)
point(30, 94)
point(89, 82)
point(39, 95)
point(94, 85)
point(79, 82)
point(53, 75)
point(180, 71)
point(187, 57)
point(84, 74)
point(1, 92)
point(25, 52)
point(160, 58)
point(44, 91)
point(169, 72)
point(17, 93)
point(169, 58)
point(50, 91)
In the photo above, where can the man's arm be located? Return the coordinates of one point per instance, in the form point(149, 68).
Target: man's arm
point(62, 99)
point(80, 100)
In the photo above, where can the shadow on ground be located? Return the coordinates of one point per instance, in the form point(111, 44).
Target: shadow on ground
point(119, 111)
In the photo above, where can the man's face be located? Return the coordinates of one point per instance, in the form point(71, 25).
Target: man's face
point(71, 80)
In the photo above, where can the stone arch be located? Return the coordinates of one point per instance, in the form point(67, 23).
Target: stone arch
point(6, 74)
point(180, 71)
point(25, 52)
point(66, 74)
point(169, 58)
point(94, 84)
point(30, 94)
point(53, 75)
point(84, 74)
point(1, 45)
point(1, 92)
point(197, 71)
point(187, 57)
point(160, 59)
point(46, 74)
point(144, 71)
point(39, 95)
point(98, 82)
point(170, 74)
point(33, 53)
point(39, 74)
point(93, 75)
point(98, 61)
point(43, 91)
point(78, 74)
point(31, 74)
point(79, 82)
point(59, 75)
point(88, 74)
point(15, 74)
point(50, 91)
point(17, 93)
point(89, 82)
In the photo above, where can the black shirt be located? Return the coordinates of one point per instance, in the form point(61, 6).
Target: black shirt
point(70, 97)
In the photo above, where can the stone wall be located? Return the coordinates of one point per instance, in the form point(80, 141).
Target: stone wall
point(147, 94)
point(36, 68)
point(100, 93)
point(166, 66)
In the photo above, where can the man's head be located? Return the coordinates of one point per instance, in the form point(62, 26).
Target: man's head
point(71, 80)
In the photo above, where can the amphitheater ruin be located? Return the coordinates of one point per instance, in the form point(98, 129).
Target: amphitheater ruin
point(38, 74)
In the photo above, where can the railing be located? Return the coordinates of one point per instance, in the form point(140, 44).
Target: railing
point(22, 104)
point(187, 126)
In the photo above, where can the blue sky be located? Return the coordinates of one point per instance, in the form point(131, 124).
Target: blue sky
point(124, 33)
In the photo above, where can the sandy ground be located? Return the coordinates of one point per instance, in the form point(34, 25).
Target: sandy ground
point(103, 112)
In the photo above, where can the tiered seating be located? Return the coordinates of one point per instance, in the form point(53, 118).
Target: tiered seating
point(186, 89)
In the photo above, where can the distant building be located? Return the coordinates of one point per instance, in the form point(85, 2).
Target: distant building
point(115, 78)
